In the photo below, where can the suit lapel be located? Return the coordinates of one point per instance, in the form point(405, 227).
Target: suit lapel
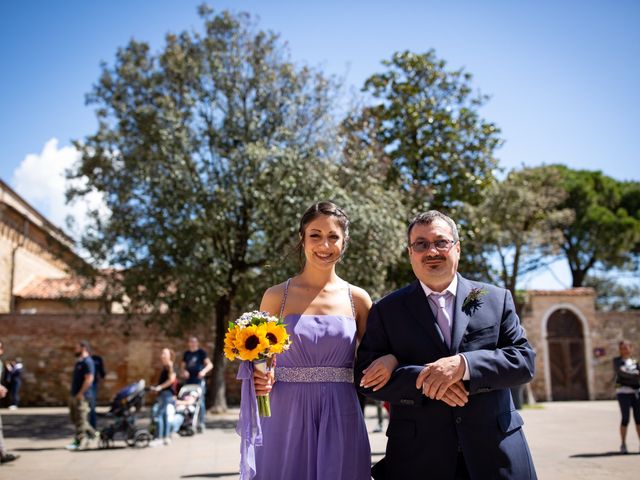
point(418, 305)
point(460, 319)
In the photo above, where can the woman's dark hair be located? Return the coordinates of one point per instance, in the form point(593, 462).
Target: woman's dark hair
point(314, 211)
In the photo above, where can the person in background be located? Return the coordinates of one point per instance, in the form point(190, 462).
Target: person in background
point(5, 456)
point(81, 381)
point(195, 366)
point(176, 414)
point(14, 369)
point(166, 389)
point(627, 390)
point(99, 375)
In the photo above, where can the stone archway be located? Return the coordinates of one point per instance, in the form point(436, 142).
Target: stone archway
point(567, 362)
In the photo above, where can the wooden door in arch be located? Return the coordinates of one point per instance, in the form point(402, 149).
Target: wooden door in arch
point(567, 363)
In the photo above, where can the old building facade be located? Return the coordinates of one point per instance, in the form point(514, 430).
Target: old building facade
point(575, 343)
point(31, 247)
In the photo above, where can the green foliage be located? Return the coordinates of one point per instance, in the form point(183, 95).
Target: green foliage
point(519, 222)
point(441, 150)
point(630, 202)
point(201, 153)
point(431, 143)
point(604, 234)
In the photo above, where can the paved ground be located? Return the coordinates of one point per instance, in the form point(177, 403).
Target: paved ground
point(570, 440)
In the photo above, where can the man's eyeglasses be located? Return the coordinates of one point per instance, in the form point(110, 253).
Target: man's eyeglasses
point(442, 245)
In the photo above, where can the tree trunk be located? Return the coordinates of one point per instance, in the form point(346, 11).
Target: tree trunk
point(219, 391)
point(577, 277)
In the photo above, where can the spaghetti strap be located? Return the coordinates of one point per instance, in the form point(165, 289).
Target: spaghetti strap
point(284, 297)
point(353, 306)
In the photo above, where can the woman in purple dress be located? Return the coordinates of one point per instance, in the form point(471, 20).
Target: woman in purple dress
point(316, 429)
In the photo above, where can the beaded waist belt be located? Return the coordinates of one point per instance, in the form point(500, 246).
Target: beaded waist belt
point(314, 374)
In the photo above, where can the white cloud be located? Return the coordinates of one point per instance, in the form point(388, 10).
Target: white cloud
point(40, 179)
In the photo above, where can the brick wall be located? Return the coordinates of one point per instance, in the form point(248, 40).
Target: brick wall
point(46, 344)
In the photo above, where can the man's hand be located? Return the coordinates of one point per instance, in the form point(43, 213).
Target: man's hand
point(379, 372)
point(456, 395)
point(3, 391)
point(263, 382)
point(436, 378)
point(79, 396)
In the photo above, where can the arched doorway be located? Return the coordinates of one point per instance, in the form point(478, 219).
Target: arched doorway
point(567, 363)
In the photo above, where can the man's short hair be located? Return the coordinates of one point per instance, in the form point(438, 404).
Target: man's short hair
point(426, 218)
point(85, 344)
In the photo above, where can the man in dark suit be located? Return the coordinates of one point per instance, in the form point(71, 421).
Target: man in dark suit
point(459, 348)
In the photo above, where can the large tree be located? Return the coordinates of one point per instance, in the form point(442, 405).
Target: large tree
point(206, 154)
point(435, 147)
point(604, 233)
point(630, 202)
point(441, 149)
point(519, 222)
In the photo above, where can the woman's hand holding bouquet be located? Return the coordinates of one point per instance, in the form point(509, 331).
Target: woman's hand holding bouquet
point(257, 337)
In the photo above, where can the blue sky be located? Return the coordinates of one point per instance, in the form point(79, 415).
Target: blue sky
point(564, 76)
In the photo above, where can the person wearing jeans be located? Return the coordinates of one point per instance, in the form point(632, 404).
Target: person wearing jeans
point(166, 391)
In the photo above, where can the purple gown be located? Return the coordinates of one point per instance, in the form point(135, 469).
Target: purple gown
point(316, 429)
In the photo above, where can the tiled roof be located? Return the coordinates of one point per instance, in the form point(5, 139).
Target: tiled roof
point(569, 292)
point(62, 288)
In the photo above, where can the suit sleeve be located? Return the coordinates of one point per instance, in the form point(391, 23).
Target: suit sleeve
point(510, 364)
point(401, 387)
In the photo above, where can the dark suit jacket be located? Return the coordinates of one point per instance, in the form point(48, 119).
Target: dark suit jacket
point(424, 435)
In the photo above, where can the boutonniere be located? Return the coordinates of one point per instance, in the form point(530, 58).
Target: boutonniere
point(473, 301)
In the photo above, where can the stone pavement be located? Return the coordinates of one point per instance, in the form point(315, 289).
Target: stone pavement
point(569, 440)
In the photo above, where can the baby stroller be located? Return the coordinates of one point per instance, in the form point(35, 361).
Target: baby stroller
point(188, 405)
point(123, 410)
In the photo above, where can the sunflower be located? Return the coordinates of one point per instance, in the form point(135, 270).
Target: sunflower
point(277, 336)
point(230, 350)
point(251, 342)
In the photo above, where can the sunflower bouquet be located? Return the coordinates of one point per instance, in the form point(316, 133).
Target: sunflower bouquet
point(257, 337)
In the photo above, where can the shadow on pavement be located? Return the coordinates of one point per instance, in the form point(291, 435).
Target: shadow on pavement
point(47, 426)
point(223, 423)
point(54, 426)
point(603, 454)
